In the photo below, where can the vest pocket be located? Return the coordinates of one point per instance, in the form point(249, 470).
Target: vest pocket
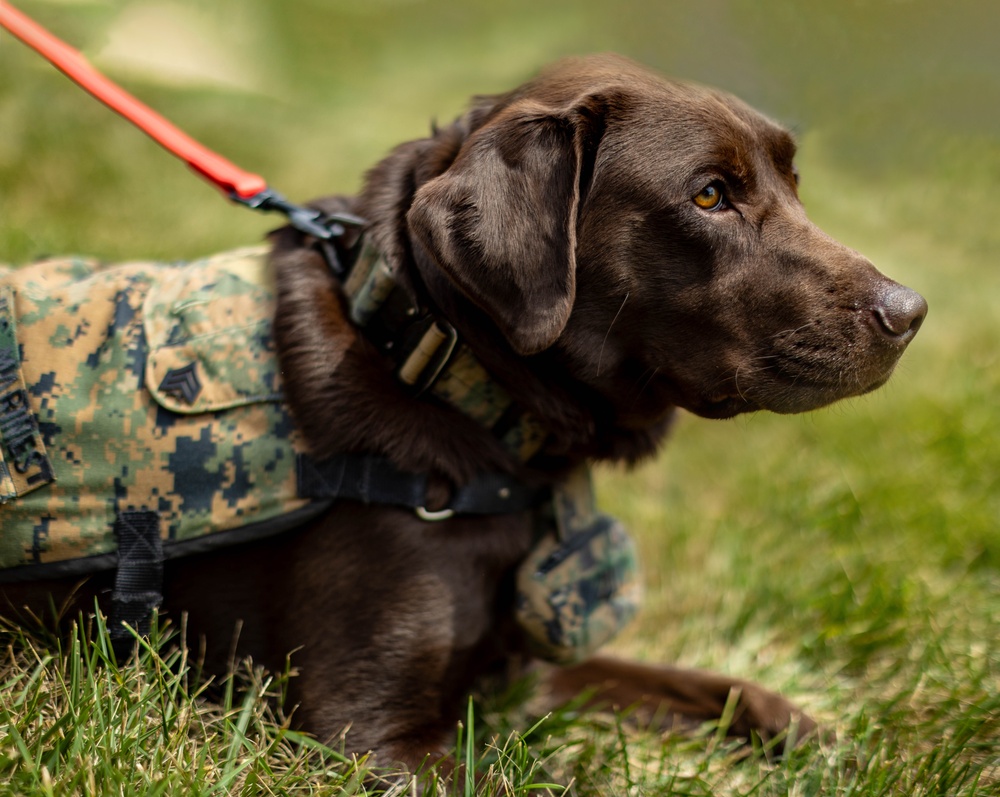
point(208, 328)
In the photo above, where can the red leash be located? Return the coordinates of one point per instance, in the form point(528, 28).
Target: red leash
point(241, 186)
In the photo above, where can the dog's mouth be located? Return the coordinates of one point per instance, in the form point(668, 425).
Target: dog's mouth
point(806, 371)
point(791, 391)
point(787, 396)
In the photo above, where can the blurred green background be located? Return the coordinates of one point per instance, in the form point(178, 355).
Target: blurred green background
point(792, 549)
point(311, 92)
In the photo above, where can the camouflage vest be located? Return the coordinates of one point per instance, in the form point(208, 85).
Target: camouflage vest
point(143, 386)
point(151, 394)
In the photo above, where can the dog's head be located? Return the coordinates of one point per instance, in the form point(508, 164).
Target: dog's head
point(652, 234)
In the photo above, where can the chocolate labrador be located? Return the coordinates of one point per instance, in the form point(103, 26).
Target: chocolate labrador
point(541, 284)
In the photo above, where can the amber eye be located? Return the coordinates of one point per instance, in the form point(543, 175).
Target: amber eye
point(710, 197)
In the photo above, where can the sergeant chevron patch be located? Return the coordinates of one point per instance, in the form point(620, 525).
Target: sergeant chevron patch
point(182, 383)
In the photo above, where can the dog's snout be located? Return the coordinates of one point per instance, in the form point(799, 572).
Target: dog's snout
point(899, 312)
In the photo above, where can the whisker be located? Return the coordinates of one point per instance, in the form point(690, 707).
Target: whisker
point(791, 331)
point(652, 374)
point(606, 334)
point(736, 380)
point(644, 378)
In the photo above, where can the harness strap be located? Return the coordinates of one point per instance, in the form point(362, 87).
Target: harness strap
point(375, 480)
point(138, 580)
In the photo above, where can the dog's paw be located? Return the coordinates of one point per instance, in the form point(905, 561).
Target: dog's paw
point(778, 722)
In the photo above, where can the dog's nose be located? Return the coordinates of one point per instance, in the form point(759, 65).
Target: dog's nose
point(900, 312)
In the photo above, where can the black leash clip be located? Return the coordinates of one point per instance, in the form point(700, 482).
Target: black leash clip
point(325, 227)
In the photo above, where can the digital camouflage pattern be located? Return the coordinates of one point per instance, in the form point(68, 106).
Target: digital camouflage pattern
point(579, 585)
point(150, 387)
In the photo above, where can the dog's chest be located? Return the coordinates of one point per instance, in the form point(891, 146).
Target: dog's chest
point(142, 387)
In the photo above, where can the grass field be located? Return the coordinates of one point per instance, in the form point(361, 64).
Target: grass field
point(849, 558)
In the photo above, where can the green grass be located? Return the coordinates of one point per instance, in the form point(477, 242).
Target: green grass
point(849, 558)
point(76, 723)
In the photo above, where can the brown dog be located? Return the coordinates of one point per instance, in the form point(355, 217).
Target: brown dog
point(611, 247)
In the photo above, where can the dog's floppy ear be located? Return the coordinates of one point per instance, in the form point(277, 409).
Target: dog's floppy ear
point(501, 221)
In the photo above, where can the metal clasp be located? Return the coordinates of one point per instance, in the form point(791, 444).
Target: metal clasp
point(433, 517)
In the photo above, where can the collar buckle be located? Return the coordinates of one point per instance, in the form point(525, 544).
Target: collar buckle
point(428, 358)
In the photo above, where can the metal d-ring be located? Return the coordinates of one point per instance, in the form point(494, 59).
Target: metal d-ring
point(432, 517)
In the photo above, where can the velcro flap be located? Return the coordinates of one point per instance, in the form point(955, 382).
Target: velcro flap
point(209, 330)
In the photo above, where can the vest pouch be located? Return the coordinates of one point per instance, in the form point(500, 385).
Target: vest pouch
point(579, 585)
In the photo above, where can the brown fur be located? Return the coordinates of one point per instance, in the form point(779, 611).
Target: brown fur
point(554, 227)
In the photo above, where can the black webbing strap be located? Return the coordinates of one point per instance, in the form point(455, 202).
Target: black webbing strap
point(375, 480)
point(138, 580)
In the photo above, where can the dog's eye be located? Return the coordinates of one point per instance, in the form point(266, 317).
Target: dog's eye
point(710, 197)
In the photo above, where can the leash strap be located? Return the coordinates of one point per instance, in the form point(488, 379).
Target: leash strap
point(219, 171)
point(244, 187)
